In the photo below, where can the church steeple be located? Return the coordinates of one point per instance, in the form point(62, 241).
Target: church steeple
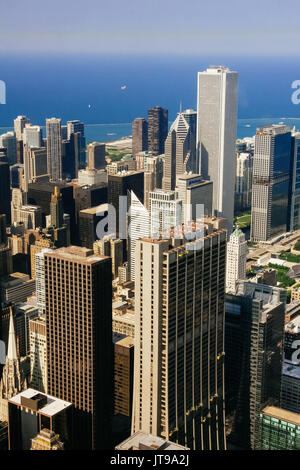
point(12, 344)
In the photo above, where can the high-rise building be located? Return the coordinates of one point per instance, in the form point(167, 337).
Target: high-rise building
point(9, 141)
point(243, 181)
point(19, 125)
point(139, 136)
point(153, 176)
point(138, 227)
point(54, 158)
point(78, 292)
point(35, 166)
point(270, 185)
point(294, 223)
point(165, 210)
point(196, 196)
point(32, 414)
point(278, 429)
point(191, 118)
point(5, 196)
point(74, 127)
point(113, 248)
point(157, 129)
point(177, 152)
point(123, 376)
point(38, 353)
point(216, 134)
point(40, 280)
point(96, 156)
point(179, 338)
point(88, 224)
point(32, 136)
point(118, 186)
point(254, 342)
point(236, 259)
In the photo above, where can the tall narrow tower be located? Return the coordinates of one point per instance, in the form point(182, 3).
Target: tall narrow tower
point(216, 134)
point(236, 259)
point(13, 380)
point(54, 162)
point(157, 129)
point(177, 152)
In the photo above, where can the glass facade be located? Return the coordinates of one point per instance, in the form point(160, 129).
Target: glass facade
point(278, 434)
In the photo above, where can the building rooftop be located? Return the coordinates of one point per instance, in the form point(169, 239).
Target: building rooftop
point(291, 370)
point(76, 253)
point(282, 414)
point(143, 441)
point(53, 406)
point(95, 210)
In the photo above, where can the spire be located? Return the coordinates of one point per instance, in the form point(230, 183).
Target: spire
point(12, 345)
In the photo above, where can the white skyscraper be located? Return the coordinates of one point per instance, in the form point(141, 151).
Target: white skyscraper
point(216, 134)
point(40, 279)
point(32, 136)
point(139, 227)
point(236, 259)
point(54, 163)
point(165, 210)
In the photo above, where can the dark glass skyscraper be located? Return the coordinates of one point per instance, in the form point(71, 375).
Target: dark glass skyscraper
point(157, 129)
point(271, 182)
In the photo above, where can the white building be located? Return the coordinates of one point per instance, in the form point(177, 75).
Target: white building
point(32, 136)
point(138, 227)
point(165, 210)
point(40, 279)
point(236, 259)
point(216, 134)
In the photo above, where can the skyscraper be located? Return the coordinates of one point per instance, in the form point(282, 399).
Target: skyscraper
point(157, 129)
point(191, 118)
point(32, 136)
point(179, 339)
point(254, 344)
point(74, 127)
point(236, 259)
point(294, 223)
point(139, 227)
point(78, 293)
point(96, 156)
point(9, 141)
point(54, 159)
point(5, 196)
point(19, 124)
point(177, 152)
point(271, 182)
point(165, 210)
point(139, 135)
point(216, 134)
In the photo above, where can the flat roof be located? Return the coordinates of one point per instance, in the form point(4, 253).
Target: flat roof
point(54, 405)
point(153, 442)
point(76, 253)
point(282, 414)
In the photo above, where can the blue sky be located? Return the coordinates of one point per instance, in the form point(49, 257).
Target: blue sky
point(232, 27)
